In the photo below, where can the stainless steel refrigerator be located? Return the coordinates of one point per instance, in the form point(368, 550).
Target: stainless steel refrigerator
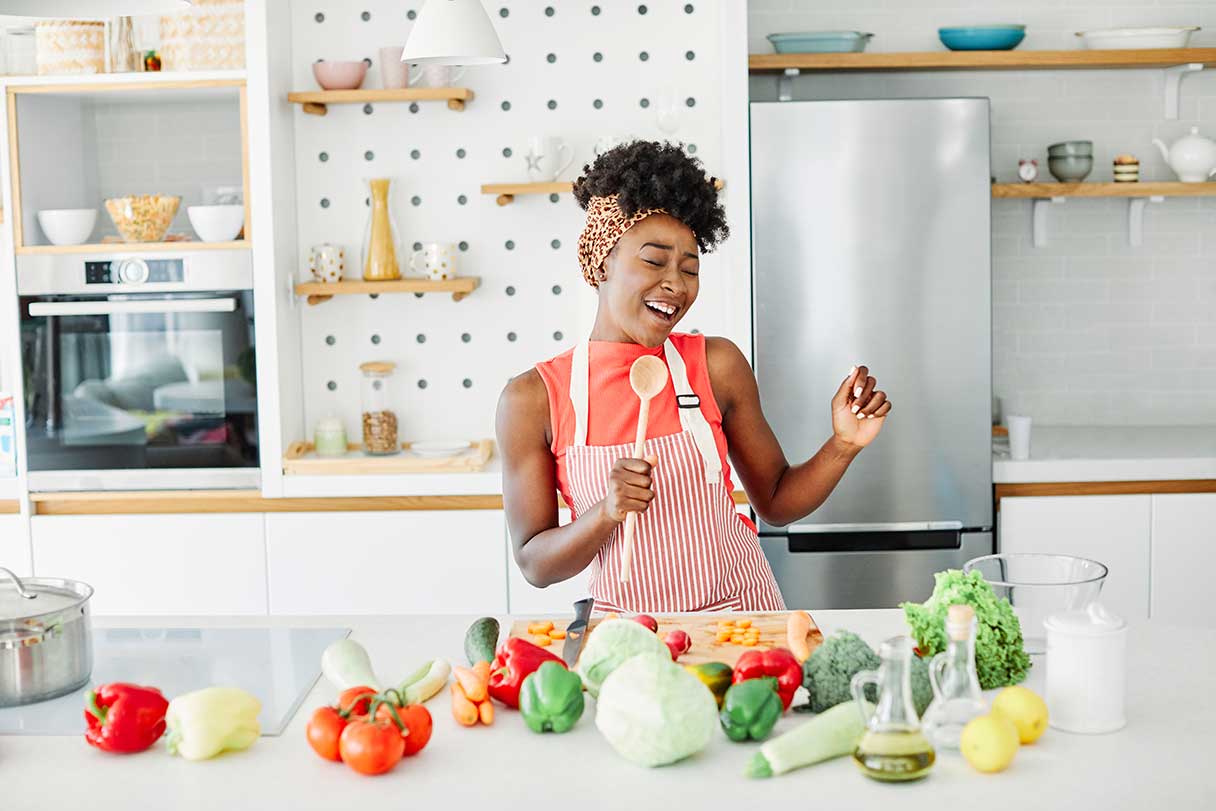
point(871, 244)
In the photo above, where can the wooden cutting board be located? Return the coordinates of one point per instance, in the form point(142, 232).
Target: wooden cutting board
point(702, 629)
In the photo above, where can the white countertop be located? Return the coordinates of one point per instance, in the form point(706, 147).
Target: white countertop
point(1160, 760)
point(1110, 454)
point(487, 481)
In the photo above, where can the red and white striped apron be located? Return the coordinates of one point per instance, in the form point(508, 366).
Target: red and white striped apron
point(691, 549)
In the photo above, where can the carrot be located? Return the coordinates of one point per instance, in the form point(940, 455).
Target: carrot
point(743, 623)
point(485, 711)
point(540, 627)
point(482, 669)
point(474, 687)
point(557, 634)
point(463, 710)
point(797, 629)
point(542, 640)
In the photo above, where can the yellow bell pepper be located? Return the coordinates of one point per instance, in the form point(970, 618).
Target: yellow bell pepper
point(207, 722)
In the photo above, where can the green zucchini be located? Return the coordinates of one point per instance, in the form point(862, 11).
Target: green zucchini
point(832, 733)
point(481, 640)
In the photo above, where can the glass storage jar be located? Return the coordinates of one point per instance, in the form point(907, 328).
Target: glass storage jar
point(379, 420)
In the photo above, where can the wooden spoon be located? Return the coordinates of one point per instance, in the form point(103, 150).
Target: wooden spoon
point(648, 377)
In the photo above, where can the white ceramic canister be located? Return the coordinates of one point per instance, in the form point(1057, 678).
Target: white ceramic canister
point(1086, 670)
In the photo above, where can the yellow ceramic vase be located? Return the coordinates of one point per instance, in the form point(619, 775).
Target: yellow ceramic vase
point(380, 246)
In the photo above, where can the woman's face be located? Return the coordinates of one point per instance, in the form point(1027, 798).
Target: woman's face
point(650, 279)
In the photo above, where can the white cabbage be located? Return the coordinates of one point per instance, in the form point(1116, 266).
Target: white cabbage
point(610, 644)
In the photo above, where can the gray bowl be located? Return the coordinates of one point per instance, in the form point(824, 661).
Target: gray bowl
point(1071, 168)
point(1064, 148)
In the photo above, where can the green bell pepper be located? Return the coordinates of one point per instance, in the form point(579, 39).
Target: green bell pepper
point(207, 722)
point(551, 698)
point(751, 709)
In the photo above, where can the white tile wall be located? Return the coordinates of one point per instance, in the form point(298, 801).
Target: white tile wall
point(1087, 330)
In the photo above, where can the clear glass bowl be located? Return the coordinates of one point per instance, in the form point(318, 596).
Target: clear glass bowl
point(1038, 586)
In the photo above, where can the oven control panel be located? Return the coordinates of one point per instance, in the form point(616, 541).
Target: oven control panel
point(135, 271)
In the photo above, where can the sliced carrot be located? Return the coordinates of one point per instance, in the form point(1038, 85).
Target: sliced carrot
point(474, 687)
point(737, 638)
point(482, 669)
point(540, 627)
point(485, 711)
point(557, 634)
point(541, 639)
point(726, 624)
point(612, 615)
point(723, 636)
point(464, 711)
point(743, 623)
point(748, 643)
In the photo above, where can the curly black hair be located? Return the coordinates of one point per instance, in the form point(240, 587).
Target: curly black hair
point(649, 174)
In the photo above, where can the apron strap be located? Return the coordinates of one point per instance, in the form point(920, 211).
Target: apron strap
point(692, 419)
point(580, 369)
point(691, 416)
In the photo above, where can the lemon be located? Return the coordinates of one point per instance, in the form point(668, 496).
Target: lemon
point(989, 742)
point(1025, 709)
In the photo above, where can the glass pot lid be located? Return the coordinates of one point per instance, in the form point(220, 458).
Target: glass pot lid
point(49, 596)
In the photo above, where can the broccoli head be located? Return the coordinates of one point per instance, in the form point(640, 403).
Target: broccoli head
point(1000, 656)
point(827, 673)
point(922, 690)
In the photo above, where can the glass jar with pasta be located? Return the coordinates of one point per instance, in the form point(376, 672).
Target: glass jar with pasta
point(379, 420)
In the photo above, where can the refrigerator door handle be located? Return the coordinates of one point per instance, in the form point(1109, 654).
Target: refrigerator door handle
point(892, 526)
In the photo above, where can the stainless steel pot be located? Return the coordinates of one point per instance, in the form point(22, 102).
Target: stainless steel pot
point(46, 644)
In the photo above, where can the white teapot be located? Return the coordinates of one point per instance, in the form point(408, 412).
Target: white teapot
point(1192, 157)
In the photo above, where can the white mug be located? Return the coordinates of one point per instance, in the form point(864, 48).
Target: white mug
point(1019, 436)
point(436, 260)
point(394, 74)
point(605, 143)
point(327, 262)
point(545, 158)
point(438, 75)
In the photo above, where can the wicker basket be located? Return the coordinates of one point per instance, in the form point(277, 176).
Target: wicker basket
point(208, 36)
point(70, 46)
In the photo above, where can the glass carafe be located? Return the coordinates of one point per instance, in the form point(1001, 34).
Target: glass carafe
point(956, 688)
point(892, 748)
point(381, 240)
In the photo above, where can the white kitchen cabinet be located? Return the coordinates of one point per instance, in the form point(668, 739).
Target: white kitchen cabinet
point(402, 562)
point(14, 544)
point(1184, 556)
point(527, 600)
point(1114, 530)
point(158, 564)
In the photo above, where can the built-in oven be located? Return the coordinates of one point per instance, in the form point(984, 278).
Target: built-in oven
point(139, 370)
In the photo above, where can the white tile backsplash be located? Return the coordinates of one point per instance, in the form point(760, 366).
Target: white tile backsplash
point(1086, 330)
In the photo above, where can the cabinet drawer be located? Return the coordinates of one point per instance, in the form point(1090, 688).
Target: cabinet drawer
point(158, 564)
point(424, 562)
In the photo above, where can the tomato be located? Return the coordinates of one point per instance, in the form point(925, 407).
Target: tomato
point(349, 696)
point(417, 720)
point(371, 747)
point(324, 729)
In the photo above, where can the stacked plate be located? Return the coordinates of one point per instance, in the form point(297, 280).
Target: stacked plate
point(1127, 169)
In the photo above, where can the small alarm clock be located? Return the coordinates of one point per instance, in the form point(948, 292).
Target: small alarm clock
point(1028, 170)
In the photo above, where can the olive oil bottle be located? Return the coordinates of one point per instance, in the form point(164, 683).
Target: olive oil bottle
point(893, 748)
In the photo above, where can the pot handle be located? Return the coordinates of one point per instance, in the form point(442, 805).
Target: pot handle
point(20, 586)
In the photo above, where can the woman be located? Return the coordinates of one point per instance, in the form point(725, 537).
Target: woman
point(569, 423)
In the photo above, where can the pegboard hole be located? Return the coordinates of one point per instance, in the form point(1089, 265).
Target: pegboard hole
point(319, 17)
point(417, 246)
point(557, 289)
point(688, 8)
point(369, 155)
point(551, 58)
point(332, 386)
point(510, 291)
point(509, 244)
point(506, 151)
point(422, 384)
point(460, 153)
point(375, 339)
point(464, 246)
point(555, 244)
point(553, 198)
point(690, 101)
point(462, 199)
point(415, 154)
point(465, 337)
point(367, 61)
point(644, 103)
point(330, 340)
point(324, 202)
point(598, 104)
point(595, 11)
point(468, 384)
point(506, 105)
point(368, 109)
point(511, 336)
point(642, 9)
point(420, 338)
point(411, 15)
point(557, 336)
point(549, 12)
point(552, 105)
point(690, 55)
point(324, 156)
point(597, 56)
point(416, 200)
point(643, 56)
point(504, 12)
point(414, 107)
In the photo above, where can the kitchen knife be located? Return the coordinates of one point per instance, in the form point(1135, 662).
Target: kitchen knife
point(576, 631)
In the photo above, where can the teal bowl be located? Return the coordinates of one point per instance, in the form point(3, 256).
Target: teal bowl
point(982, 37)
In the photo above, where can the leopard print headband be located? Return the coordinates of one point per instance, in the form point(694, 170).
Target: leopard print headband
point(606, 222)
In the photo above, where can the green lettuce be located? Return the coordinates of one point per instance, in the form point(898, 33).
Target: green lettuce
point(1000, 655)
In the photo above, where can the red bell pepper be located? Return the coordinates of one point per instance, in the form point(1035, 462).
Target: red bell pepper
point(778, 663)
point(125, 717)
point(517, 659)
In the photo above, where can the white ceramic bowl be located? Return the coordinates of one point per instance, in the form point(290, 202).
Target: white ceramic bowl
point(216, 223)
point(1118, 39)
point(68, 226)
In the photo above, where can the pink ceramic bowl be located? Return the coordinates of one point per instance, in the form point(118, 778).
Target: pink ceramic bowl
point(339, 75)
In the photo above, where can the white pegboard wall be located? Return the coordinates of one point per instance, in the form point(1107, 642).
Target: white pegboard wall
point(454, 357)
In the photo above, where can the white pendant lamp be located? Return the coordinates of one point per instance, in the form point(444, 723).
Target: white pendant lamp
point(453, 32)
point(89, 9)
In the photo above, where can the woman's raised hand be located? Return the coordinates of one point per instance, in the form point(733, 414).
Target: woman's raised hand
point(630, 487)
point(859, 408)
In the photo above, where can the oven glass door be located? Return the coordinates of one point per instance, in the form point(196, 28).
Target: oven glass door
point(140, 381)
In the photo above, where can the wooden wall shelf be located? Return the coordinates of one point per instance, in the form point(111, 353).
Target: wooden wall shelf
point(318, 292)
point(1023, 191)
point(181, 246)
point(506, 191)
point(983, 60)
point(316, 102)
